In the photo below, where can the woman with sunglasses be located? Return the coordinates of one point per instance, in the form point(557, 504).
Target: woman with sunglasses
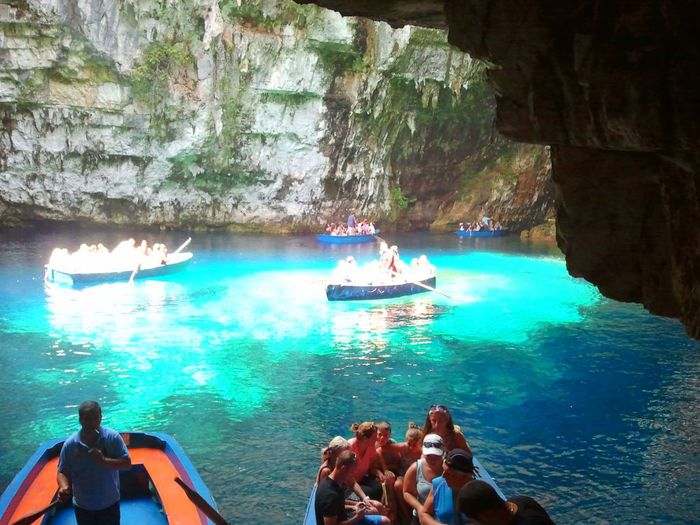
point(440, 507)
point(420, 475)
point(439, 421)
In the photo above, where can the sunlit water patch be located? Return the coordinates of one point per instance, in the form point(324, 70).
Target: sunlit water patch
point(583, 403)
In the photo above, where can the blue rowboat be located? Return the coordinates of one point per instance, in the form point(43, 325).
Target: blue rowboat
point(356, 292)
point(346, 239)
point(175, 262)
point(481, 233)
point(149, 493)
point(482, 474)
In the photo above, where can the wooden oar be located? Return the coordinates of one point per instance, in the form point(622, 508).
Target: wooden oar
point(201, 503)
point(182, 247)
point(418, 283)
point(31, 518)
point(133, 274)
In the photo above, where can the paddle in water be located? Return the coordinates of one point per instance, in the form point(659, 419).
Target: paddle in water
point(201, 503)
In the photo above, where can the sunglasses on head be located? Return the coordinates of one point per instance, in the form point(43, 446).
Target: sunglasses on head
point(438, 408)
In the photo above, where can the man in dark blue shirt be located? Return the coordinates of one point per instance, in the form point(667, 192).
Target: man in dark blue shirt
point(480, 502)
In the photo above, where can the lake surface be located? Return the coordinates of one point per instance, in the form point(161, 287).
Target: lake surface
point(587, 405)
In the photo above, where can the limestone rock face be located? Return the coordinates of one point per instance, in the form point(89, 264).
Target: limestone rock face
point(614, 88)
point(244, 114)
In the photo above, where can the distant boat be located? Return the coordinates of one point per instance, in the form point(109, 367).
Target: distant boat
point(358, 292)
point(174, 263)
point(482, 474)
point(482, 233)
point(327, 238)
point(149, 493)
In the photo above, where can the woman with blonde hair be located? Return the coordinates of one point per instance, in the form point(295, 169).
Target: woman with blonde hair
point(369, 471)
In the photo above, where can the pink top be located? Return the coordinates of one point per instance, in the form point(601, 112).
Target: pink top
point(364, 462)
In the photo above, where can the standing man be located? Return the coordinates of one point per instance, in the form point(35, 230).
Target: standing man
point(352, 221)
point(88, 468)
point(479, 501)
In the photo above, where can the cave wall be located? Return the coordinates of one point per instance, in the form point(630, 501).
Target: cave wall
point(246, 115)
point(614, 88)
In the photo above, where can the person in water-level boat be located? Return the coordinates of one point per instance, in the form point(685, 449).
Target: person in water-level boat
point(397, 457)
point(329, 506)
point(439, 421)
point(88, 468)
point(369, 471)
point(420, 475)
point(479, 501)
point(440, 506)
point(353, 493)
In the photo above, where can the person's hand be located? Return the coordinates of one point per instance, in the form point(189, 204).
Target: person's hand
point(96, 453)
point(360, 510)
point(389, 476)
point(380, 476)
point(63, 494)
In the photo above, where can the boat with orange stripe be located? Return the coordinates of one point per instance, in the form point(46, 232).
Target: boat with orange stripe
point(151, 490)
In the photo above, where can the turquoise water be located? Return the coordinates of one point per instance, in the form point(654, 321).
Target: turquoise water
point(589, 406)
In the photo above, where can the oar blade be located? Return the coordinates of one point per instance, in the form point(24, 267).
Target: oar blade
point(202, 504)
point(31, 518)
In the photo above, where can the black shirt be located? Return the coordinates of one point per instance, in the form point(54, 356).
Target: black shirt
point(330, 500)
point(529, 512)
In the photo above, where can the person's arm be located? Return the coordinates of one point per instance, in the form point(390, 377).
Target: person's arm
point(64, 486)
point(118, 455)
point(357, 489)
point(113, 463)
point(461, 441)
point(333, 520)
point(410, 488)
point(377, 466)
point(427, 511)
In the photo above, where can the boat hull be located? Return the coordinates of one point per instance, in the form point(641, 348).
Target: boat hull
point(149, 492)
point(481, 233)
point(343, 292)
point(346, 239)
point(177, 263)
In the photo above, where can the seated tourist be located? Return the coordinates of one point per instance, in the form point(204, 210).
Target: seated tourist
point(479, 501)
point(439, 421)
point(420, 475)
point(353, 494)
point(369, 471)
point(439, 506)
point(397, 457)
point(329, 506)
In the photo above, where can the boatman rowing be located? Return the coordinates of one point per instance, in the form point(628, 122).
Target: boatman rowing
point(88, 468)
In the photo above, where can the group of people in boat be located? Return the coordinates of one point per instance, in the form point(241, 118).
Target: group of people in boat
point(351, 227)
point(483, 224)
point(388, 269)
point(427, 479)
point(126, 255)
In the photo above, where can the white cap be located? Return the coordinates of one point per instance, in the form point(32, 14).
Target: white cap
point(433, 445)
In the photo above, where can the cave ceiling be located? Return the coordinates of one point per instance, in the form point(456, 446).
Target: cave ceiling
point(614, 88)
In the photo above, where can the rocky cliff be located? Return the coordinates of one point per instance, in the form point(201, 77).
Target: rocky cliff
point(248, 114)
point(614, 88)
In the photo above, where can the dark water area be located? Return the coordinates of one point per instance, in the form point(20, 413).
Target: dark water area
point(588, 405)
